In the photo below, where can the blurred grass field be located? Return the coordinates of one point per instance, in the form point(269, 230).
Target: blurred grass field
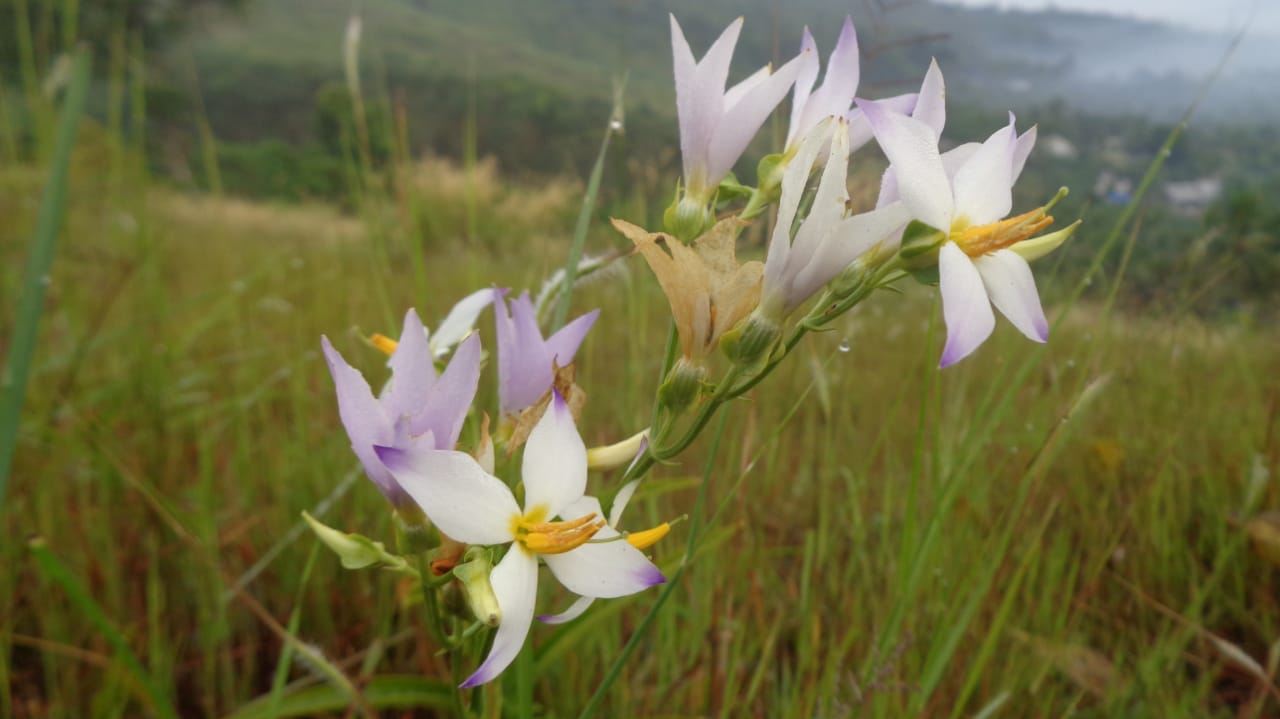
point(1035, 532)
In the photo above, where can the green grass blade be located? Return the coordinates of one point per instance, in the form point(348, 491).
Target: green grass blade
point(584, 218)
point(54, 570)
point(392, 691)
point(13, 383)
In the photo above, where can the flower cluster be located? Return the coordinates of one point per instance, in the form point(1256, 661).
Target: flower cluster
point(492, 509)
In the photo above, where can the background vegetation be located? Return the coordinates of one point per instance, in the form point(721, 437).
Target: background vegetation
point(1038, 531)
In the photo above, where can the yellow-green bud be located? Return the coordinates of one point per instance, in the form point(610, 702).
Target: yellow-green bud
point(687, 218)
point(353, 550)
point(473, 574)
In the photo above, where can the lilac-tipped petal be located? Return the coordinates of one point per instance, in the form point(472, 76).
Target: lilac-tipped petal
point(984, 184)
point(1012, 289)
point(846, 243)
point(839, 85)
point(860, 130)
point(912, 148)
point(1026, 141)
point(564, 344)
point(515, 584)
point(964, 305)
point(604, 570)
point(459, 497)
point(461, 320)
point(574, 611)
point(805, 79)
point(555, 461)
point(931, 106)
point(413, 371)
point(364, 419)
point(741, 122)
point(445, 409)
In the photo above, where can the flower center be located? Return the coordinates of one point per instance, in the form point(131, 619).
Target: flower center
point(983, 239)
point(542, 537)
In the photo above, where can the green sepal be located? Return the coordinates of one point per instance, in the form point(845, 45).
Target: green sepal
point(920, 244)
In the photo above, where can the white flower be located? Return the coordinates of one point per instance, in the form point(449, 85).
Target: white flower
point(470, 505)
point(963, 194)
point(829, 238)
point(717, 125)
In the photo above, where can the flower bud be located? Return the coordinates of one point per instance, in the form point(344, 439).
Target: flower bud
point(473, 574)
point(687, 218)
point(749, 343)
point(682, 386)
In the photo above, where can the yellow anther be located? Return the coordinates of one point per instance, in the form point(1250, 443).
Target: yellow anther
point(982, 239)
point(383, 343)
point(648, 537)
point(559, 537)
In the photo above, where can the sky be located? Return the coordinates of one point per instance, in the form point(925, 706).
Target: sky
point(1209, 15)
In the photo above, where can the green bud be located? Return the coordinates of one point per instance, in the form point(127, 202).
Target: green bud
point(355, 551)
point(920, 245)
point(770, 171)
point(686, 218)
point(473, 574)
point(1037, 247)
point(682, 386)
point(751, 340)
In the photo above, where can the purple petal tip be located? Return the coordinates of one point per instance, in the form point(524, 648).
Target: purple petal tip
point(650, 576)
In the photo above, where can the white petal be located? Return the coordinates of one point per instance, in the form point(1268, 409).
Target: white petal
point(1026, 141)
point(984, 184)
point(581, 507)
point(697, 112)
point(621, 500)
point(794, 180)
point(459, 497)
point(574, 611)
point(515, 584)
point(828, 203)
point(860, 130)
point(1012, 290)
point(852, 237)
point(555, 460)
point(931, 106)
point(964, 305)
point(912, 148)
point(741, 122)
point(734, 95)
point(838, 86)
point(608, 569)
point(461, 320)
point(956, 157)
point(808, 74)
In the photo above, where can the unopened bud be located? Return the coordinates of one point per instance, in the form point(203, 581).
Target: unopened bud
point(682, 386)
point(687, 218)
point(353, 550)
point(474, 577)
point(751, 341)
